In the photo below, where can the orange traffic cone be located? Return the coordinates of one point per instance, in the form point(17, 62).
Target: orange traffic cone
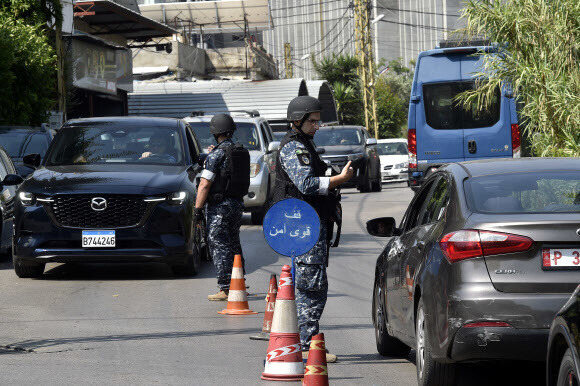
point(237, 296)
point(316, 372)
point(284, 356)
point(269, 314)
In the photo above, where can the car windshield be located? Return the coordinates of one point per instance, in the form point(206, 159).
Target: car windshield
point(19, 142)
point(106, 144)
point(338, 137)
point(392, 148)
point(443, 112)
point(525, 192)
point(245, 133)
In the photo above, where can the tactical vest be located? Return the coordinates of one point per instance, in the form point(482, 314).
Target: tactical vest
point(233, 179)
point(285, 188)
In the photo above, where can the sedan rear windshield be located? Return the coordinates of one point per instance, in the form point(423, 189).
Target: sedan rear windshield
point(245, 133)
point(338, 137)
point(444, 113)
point(544, 192)
point(106, 144)
point(392, 148)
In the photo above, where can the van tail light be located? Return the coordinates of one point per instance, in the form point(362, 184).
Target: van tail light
point(487, 324)
point(516, 140)
point(412, 146)
point(467, 244)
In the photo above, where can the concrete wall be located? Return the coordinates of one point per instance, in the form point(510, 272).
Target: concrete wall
point(184, 60)
point(412, 26)
point(231, 63)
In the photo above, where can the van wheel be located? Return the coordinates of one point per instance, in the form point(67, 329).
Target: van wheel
point(429, 372)
point(26, 268)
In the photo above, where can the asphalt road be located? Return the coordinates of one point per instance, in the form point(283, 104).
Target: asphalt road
point(137, 324)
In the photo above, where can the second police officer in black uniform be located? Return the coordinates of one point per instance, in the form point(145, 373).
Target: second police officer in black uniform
point(300, 173)
point(224, 182)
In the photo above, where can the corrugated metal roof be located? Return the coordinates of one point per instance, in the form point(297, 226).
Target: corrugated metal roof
point(179, 99)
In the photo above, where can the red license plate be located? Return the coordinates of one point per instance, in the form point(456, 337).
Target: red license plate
point(560, 258)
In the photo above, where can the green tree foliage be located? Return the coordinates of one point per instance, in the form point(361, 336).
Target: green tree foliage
point(27, 68)
point(393, 89)
point(539, 59)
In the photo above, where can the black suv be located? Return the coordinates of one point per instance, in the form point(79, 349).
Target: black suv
point(21, 140)
point(117, 189)
point(352, 143)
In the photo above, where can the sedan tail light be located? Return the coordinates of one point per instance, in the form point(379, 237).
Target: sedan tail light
point(467, 244)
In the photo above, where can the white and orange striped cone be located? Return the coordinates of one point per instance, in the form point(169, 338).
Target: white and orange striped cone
point(284, 356)
point(269, 313)
point(237, 295)
point(316, 372)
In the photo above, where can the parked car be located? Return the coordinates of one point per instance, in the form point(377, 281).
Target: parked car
point(485, 256)
point(21, 140)
point(110, 189)
point(352, 143)
point(9, 182)
point(563, 361)
point(254, 132)
point(394, 159)
point(440, 130)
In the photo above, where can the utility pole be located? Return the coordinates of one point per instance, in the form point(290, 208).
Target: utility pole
point(366, 70)
point(288, 60)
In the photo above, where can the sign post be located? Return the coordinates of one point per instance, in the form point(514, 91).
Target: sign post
point(291, 228)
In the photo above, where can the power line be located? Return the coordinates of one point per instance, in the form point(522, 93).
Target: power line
point(417, 11)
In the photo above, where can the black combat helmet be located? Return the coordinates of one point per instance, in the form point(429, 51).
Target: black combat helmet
point(221, 123)
point(302, 105)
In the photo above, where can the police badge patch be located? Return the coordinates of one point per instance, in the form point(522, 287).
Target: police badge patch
point(303, 157)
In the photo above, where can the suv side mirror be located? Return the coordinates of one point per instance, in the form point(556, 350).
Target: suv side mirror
point(31, 160)
point(382, 227)
point(273, 146)
point(12, 179)
point(371, 141)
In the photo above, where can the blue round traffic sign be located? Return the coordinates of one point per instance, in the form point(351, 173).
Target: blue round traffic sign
point(291, 227)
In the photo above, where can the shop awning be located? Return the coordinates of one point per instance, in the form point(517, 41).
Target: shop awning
point(106, 17)
point(213, 16)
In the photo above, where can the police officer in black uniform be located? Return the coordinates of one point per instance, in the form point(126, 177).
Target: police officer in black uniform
point(224, 209)
point(300, 173)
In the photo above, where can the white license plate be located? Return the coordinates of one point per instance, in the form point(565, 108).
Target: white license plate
point(98, 239)
point(560, 258)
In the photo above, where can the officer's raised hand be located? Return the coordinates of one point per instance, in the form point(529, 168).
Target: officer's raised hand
point(344, 176)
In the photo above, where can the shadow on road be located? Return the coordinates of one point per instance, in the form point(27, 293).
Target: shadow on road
point(118, 271)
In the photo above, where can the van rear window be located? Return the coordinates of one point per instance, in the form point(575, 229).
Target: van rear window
point(443, 113)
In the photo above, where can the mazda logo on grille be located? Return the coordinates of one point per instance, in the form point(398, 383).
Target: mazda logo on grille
point(99, 204)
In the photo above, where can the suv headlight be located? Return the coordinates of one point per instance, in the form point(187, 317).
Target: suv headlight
point(355, 156)
point(254, 170)
point(402, 165)
point(177, 198)
point(26, 198)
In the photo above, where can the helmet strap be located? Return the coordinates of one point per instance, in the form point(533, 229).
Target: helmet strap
point(299, 127)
